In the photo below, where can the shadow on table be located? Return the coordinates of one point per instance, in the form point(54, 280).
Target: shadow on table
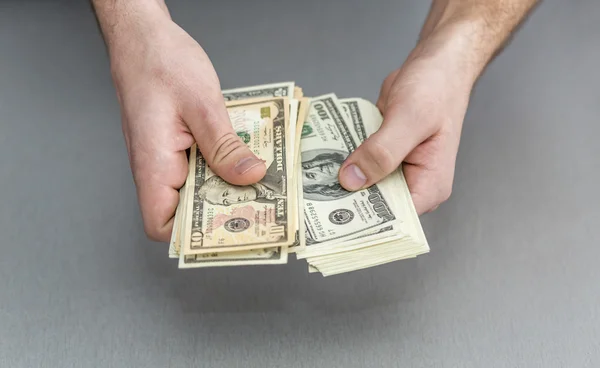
point(289, 288)
point(241, 304)
point(281, 288)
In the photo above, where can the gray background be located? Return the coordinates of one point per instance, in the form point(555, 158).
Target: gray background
point(512, 279)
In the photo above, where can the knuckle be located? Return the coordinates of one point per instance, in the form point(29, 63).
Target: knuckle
point(380, 105)
point(224, 147)
point(155, 227)
point(423, 111)
point(203, 103)
point(159, 73)
point(445, 193)
point(153, 232)
point(382, 159)
point(157, 232)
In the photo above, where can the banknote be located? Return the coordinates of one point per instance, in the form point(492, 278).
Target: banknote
point(293, 200)
point(264, 256)
point(175, 243)
point(407, 242)
point(274, 255)
point(299, 243)
point(331, 212)
point(303, 107)
point(280, 89)
point(358, 112)
point(299, 206)
point(222, 217)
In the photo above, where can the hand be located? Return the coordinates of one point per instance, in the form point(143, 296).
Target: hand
point(423, 105)
point(171, 98)
point(424, 102)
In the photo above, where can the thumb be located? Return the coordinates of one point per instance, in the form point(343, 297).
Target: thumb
point(383, 151)
point(224, 151)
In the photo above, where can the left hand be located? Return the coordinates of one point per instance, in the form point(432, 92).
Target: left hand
point(423, 105)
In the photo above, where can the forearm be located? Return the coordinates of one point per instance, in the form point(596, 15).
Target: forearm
point(123, 21)
point(476, 30)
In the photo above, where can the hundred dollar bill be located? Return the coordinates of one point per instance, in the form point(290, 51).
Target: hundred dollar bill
point(356, 258)
point(302, 114)
point(352, 109)
point(369, 120)
point(395, 232)
point(333, 214)
point(222, 217)
point(361, 115)
point(410, 240)
point(282, 89)
point(300, 243)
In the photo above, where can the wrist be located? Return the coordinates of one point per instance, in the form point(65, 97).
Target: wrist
point(469, 34)
point(461, 48)
point(125, 24)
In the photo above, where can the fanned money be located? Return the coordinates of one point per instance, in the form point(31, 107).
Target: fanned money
point(299, 207)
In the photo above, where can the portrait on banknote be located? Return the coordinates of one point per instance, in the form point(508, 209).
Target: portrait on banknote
point(320, 169)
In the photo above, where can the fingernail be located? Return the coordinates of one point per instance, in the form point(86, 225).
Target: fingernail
point(246, 164)
point(353, 177)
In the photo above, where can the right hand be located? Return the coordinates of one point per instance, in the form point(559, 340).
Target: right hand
point(171, 98)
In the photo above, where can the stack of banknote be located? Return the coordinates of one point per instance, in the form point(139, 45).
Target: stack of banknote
point(298, 206)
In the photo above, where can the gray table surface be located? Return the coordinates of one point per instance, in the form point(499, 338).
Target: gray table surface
point(512, 279)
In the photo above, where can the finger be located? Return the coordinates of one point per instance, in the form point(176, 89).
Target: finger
point(428, 188)
point(226, 154)
point(158, 174)
point(382, 153)
point(384, 91)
